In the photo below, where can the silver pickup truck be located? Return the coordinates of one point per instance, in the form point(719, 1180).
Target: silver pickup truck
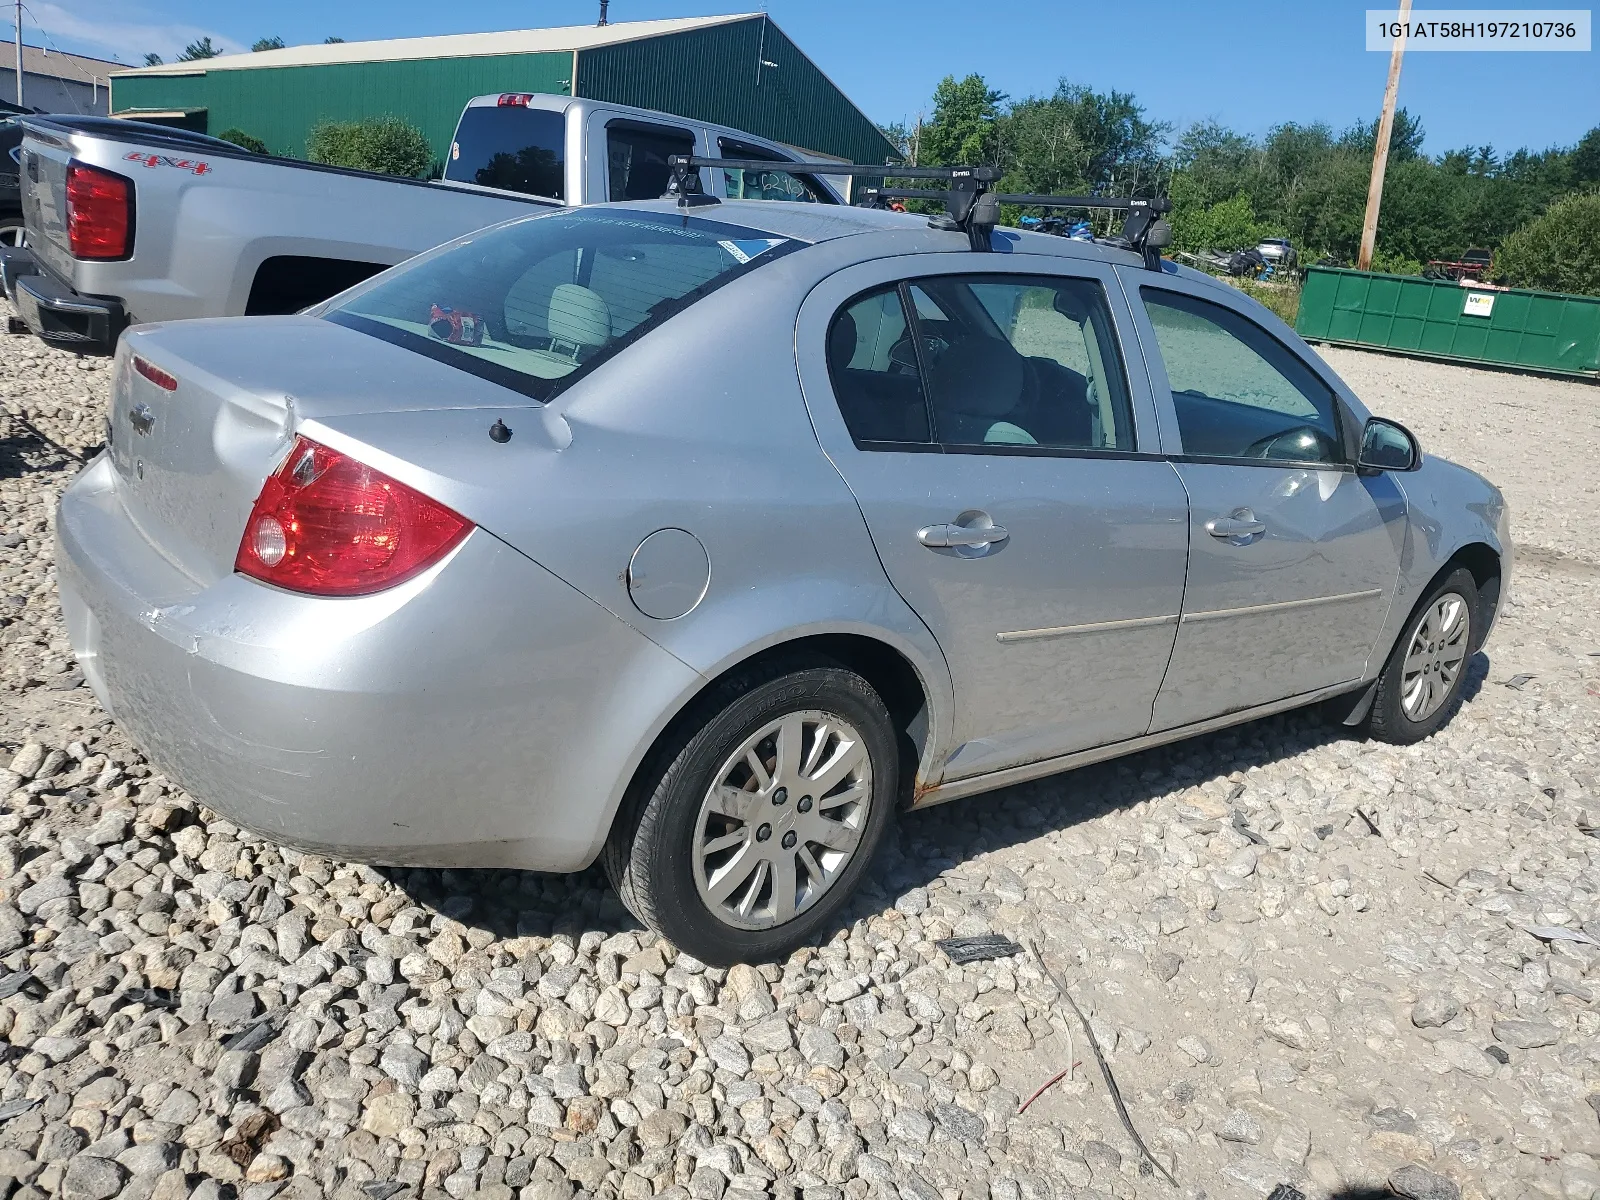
point(130, 222)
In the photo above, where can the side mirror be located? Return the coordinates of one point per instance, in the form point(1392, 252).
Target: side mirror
point(1388, 446)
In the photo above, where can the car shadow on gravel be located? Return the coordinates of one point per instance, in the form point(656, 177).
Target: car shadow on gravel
point(921, 847)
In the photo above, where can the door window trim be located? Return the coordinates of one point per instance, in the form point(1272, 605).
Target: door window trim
point(658, 128)
point(908, 308)
point(1345, 464)
point(729, 147)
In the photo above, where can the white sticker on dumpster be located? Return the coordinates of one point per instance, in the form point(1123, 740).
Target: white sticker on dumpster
point(1479, 304)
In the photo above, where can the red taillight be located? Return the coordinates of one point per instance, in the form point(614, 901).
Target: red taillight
point(515, 99)
point(328, 525)
point(162, 379)
point(99, 213)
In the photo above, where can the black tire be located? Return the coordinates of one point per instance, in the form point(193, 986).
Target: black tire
point(1389, 721)
point(651, 853)
point(13, 232)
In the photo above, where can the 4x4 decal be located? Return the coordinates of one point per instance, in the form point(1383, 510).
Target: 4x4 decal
point(163, 160)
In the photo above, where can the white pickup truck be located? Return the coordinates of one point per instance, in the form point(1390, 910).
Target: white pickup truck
point(130, 222)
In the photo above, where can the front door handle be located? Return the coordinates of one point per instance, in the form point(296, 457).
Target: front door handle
point(941, 537)
point(1241, 523)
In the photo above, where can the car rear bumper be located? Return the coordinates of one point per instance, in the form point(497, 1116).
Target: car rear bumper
point(15, 262)
point(63, 318)
point(482, 714)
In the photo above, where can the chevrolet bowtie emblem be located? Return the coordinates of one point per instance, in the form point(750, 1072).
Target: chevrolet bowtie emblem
point(143, 418)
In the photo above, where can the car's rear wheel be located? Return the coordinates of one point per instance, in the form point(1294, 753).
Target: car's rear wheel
point(1420, 688)
point(13, 232)
point(751, 830)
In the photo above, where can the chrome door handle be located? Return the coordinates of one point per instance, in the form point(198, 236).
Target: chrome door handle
point(940, 537)
point(1241, 524)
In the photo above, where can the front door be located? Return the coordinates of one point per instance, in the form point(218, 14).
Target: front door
point(1293, 555)
point(987, 427)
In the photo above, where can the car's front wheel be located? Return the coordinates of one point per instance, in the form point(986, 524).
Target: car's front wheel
point(1420, 688)
point(750, 831)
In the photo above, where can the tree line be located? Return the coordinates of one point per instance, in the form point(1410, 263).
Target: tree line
point(1307, 182)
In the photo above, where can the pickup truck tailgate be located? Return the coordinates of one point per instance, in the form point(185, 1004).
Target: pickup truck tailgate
point(44, 203)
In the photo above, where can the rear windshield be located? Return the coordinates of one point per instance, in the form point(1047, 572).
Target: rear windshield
point(534, 304)
point(519, 149)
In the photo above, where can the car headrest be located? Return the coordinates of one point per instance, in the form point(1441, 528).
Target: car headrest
point(978, 376)
point(579, 315)
point(841, 341)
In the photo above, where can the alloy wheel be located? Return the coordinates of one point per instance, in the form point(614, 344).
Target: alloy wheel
point(782, 819)
point(1434, 656)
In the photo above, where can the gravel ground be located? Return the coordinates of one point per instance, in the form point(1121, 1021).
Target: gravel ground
point(1342, 993)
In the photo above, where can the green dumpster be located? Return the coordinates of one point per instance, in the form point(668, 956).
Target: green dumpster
point(1539, 331)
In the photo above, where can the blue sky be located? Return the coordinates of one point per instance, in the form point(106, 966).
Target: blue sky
point(1248, 63)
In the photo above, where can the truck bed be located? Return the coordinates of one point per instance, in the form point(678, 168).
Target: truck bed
point(217, 230)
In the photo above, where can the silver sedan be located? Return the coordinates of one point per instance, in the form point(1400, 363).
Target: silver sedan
point(703, 541)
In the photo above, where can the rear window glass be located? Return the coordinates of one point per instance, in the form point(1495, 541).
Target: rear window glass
point(534, 304)
point(518, 149)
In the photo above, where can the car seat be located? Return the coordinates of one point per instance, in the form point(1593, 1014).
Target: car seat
point(579, 318)
point(977, 383)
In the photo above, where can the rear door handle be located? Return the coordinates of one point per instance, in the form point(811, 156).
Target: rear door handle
point(940, 537)
point(1241, 523)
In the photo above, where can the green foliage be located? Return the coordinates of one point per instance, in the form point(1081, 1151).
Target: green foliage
point(195, 51)
point(1226, 225)
point(243, 140)
point(152, 60)
point(1388, 263)
point(1076, 139)
point(266, 43)
point(330, 41)
point(1301, 181)
point(1310, 184)
point(1282, 298)
point(1558, 251)
point(962, 131)
point(384, 144)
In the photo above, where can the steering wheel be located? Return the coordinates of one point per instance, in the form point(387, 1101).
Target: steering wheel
point(903, 353)
point(1304, 443)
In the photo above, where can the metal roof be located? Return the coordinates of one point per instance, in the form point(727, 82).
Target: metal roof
point(455, 45)
point(52, 63)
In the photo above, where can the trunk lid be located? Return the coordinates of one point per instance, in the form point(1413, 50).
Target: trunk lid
point(190, 460)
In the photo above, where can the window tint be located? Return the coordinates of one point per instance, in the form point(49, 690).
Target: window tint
point(533, 303)
point(773, 184)
point(1022, 361)
point(873, 365)
point(519, 149)
point(1239, 392)
point(637, 156)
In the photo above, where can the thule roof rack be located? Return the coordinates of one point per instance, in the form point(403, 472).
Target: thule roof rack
point(971, 206)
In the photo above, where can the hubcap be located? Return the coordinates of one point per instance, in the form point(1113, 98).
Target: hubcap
point(760, 860)
point(1434, 656)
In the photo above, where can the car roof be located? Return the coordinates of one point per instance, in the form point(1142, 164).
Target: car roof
point(827, 222)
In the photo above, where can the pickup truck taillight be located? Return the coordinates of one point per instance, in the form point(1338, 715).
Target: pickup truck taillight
point(327, 525)
point(99, 213)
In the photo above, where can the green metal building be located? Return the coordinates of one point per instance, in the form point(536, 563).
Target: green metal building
point(736, 70)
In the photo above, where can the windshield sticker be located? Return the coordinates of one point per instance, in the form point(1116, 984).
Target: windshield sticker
point(744, 250)
point(164, 160)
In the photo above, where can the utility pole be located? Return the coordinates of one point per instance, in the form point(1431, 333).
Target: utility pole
point(19, 55)
point(1380, 152)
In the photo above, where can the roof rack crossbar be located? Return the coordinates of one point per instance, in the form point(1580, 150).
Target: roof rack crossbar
point(972, 207)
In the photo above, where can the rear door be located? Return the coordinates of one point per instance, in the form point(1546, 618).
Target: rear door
point(778, 182)
point(1008, 471)
point(1293, 555)
point(636, 157)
